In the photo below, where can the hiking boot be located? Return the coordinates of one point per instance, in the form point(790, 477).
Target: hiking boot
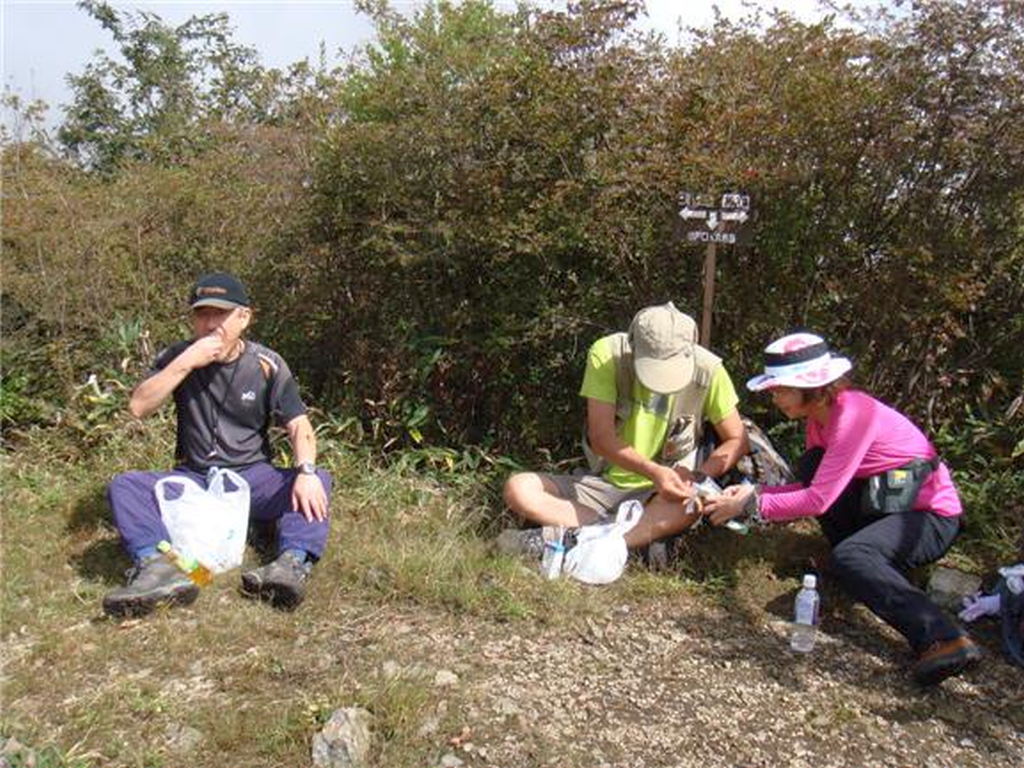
point(282, 582)
point(151, 583)
point(944, 659)
point(527, 543)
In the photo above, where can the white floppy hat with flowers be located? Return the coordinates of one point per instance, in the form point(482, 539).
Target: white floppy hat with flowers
point(799, 360)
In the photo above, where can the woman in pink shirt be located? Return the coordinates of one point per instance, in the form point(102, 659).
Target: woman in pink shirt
point(857, 478)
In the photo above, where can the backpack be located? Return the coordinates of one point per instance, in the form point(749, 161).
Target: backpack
point(763, 464)
point(686, 422)
point(1011, 603)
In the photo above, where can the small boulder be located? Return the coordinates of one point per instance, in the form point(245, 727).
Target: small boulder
point(182, 738)
point(14, 753)
point(445, 678)
point(344, 741)
point(947, 587)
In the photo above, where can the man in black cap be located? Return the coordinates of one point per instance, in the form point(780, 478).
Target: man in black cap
point(227, 392)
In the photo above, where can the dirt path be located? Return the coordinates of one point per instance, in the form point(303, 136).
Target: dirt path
point(689, 684)
point(696, 678)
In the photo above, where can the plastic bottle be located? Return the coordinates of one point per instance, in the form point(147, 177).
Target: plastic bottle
point(554, 551)
point(195, 570)
point(805, 625)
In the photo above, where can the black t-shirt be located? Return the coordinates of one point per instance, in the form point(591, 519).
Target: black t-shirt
point(225, 409)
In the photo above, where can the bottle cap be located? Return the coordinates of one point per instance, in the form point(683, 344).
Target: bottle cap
point(810, 581)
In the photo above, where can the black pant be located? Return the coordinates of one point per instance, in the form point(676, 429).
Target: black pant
point(871, 554)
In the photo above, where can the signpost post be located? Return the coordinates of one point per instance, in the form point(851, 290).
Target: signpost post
point(709, 293)
point(723, 223)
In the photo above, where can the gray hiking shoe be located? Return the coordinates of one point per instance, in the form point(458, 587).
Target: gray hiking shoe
point(282, 582)
point(527, 543)
point(151, 583)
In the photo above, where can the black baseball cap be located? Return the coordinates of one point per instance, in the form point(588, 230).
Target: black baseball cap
point(218, 289)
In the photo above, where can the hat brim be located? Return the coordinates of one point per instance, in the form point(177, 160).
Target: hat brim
point(218, 303)
point(665, 376)
point(815, 377)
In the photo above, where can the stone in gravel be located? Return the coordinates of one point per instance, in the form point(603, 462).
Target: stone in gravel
point(344, 741)
point(450, 761)
point(506, 706)
point(432, 722)
point(948, 587)
point(15, 749)
point(429, 727)
point(182, 738)
point(445, 677)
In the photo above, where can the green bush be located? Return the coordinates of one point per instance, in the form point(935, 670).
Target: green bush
point(435, 234)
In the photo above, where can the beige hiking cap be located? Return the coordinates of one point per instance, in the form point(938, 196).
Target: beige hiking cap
point(663, 339)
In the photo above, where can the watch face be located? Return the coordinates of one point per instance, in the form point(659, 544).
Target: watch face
point(307, 468)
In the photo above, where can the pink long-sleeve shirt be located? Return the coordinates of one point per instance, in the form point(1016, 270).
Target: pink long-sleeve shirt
point(863, 437)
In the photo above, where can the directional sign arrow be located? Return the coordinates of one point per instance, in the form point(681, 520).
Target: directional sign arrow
point(692, 213)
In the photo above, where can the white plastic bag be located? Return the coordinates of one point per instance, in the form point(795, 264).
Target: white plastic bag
point(209, 524)
point(600, 554)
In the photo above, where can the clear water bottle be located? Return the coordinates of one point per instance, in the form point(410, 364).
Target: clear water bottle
point(554, 551)
point(806, 618)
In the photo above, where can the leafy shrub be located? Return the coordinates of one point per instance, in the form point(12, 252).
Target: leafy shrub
point(435, 234)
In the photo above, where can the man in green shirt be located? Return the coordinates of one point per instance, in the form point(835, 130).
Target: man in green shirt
point(648, 393)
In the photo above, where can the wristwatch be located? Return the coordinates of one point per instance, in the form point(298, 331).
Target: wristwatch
point(307, 468)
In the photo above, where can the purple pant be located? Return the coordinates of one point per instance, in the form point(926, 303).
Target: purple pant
point(137, 515)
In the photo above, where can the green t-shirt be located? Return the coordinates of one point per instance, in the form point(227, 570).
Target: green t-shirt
point(648, 423)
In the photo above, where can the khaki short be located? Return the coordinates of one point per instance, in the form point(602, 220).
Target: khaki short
point(594, 492)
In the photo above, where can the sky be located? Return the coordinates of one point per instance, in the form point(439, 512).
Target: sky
point(45, 40)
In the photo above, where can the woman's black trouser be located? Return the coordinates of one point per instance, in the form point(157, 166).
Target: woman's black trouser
point(871, 555)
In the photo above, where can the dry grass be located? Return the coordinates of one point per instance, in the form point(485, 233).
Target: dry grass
point(250, 685)
point(408, 571)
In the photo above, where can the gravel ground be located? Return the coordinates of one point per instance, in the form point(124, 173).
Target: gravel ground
point(697, 679)
point(693, 684)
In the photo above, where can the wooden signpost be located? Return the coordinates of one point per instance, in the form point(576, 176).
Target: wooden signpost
point(725, 221)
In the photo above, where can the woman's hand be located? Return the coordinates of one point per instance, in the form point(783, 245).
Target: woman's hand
point(729, 504)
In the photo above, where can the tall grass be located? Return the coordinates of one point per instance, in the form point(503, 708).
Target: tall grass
point(410, 538)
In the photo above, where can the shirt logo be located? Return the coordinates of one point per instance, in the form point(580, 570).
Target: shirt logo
point(249, 396)
point(658, 404)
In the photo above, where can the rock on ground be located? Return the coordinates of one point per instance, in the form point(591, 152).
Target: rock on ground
point(344, 741)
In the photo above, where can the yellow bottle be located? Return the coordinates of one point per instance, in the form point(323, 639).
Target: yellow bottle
point(195, 570)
